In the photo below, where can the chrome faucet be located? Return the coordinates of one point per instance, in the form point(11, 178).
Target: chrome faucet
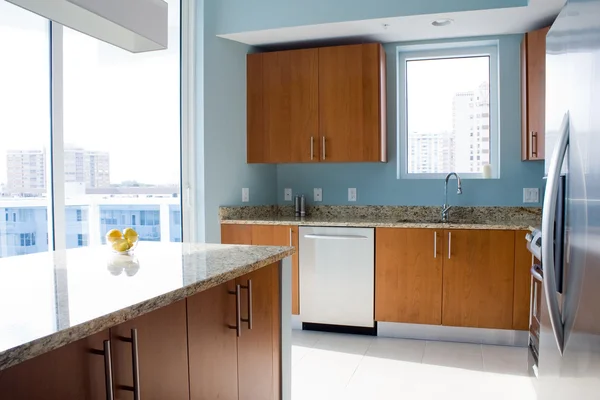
point(446, 207)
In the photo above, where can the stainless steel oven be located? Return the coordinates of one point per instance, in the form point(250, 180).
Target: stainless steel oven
point(534, 317)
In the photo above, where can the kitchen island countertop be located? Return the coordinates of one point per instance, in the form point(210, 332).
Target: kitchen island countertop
point(51, 299)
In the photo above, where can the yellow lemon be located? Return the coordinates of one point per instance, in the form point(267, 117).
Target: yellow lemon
point(120, 245)
point(131, 235)
point(113, 235)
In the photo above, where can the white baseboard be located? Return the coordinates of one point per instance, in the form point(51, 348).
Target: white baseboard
point(502, 337)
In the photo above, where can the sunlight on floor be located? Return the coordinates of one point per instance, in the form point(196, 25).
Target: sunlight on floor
point(332, 366)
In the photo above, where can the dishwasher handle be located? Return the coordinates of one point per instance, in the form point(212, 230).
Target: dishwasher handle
point(335, 237)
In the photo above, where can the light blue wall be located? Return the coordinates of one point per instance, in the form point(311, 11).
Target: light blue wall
point(248, 15)
point(221, 167)
point(377, 184)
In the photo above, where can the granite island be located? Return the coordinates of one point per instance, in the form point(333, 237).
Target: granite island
point(172, 321)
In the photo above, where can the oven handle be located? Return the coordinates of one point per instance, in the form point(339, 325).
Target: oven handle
point(537, 273)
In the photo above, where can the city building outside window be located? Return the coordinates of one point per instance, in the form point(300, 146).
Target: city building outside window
point(112, 176)
point(459, 86)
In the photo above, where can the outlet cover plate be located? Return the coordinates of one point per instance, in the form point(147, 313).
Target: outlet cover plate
point(531, 195)
point(287, 194)
point(318, 194)
point(245, 195)
point(351, 194)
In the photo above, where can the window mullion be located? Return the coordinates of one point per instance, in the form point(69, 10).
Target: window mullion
point(56, 174)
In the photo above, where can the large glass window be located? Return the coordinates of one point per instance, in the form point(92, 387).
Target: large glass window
point(448, 113)
point(119, 136)
point(24, 131)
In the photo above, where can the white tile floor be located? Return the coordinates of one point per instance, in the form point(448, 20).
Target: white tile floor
point(333, 366)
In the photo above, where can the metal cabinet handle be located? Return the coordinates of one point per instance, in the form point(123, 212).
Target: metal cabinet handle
point(291, 241)
point(312, 148)
point(536, 272)
point(534, 144)
point(249, 319)
point(108, 374)
point(449, 245)
point(135, 364)
point(238, 314)
point(324, 148)
point(434, 244)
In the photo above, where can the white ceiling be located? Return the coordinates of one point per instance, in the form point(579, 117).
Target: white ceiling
point(502, 21)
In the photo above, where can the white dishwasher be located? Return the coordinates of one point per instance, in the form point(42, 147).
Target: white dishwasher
point(337, 267)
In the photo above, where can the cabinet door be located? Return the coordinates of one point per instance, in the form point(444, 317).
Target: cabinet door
point(275, 235)
point(408, 275)
point(290, 128)
point(162, 355)
point(259, 348)
point(535, 97)
point(352, 103)
point(522, 285)
point(236, 234)
point(75, 371)
point(478, 278)
point(213, 344)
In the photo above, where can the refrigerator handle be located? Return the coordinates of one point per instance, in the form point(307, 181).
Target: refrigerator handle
point(548, 218)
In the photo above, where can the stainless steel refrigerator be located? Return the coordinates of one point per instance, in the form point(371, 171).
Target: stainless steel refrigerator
point(565, 350)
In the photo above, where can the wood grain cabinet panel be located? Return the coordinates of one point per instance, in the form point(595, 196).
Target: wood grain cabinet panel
point(533, 87)
point(478, 278)
point(75, 371)
point(162, 352)
point(288, 89)
point(236, 234)
point(213, 344)
point(522, 286)
point(352, 103)
point(259, 347)
point(408, 275)
point(278, 235)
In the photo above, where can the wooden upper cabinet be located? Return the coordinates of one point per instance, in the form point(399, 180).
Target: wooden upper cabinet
point(213, 344)
point(317, 105)
point(408, 275)
point(75, 371)
point(533, 88)
point(284, 126)
point(478, 278)
point(352, 103)
point(259, 346)
point(162, 355)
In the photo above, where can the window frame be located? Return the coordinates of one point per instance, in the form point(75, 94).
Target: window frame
point(55, 158)
point(441, 51)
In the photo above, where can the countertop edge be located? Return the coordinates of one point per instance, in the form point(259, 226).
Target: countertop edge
point(37, 347)
point(379, 224)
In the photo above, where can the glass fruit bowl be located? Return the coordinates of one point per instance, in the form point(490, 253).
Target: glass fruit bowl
point(122, 242)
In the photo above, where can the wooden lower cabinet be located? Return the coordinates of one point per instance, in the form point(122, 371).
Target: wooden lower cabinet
point(408, 277)
point(478, 280)
point(162, 353)
point(522, 285)
point(268, 235)
point(259, 345)
point(213, 344)
point(75, 371)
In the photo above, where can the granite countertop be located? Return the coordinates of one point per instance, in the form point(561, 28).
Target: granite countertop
point(48, 300)
point(502, 218)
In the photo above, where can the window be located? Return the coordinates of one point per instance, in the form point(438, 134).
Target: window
point(111, 101)
point(444, 82)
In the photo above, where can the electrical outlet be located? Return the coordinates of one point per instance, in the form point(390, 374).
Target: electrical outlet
point(287, 194)
point(531, 195)
point(351, 194)
point(318, 194)
point(245, 195)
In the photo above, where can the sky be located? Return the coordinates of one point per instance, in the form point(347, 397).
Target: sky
point(431, 85)
point(125, 104)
